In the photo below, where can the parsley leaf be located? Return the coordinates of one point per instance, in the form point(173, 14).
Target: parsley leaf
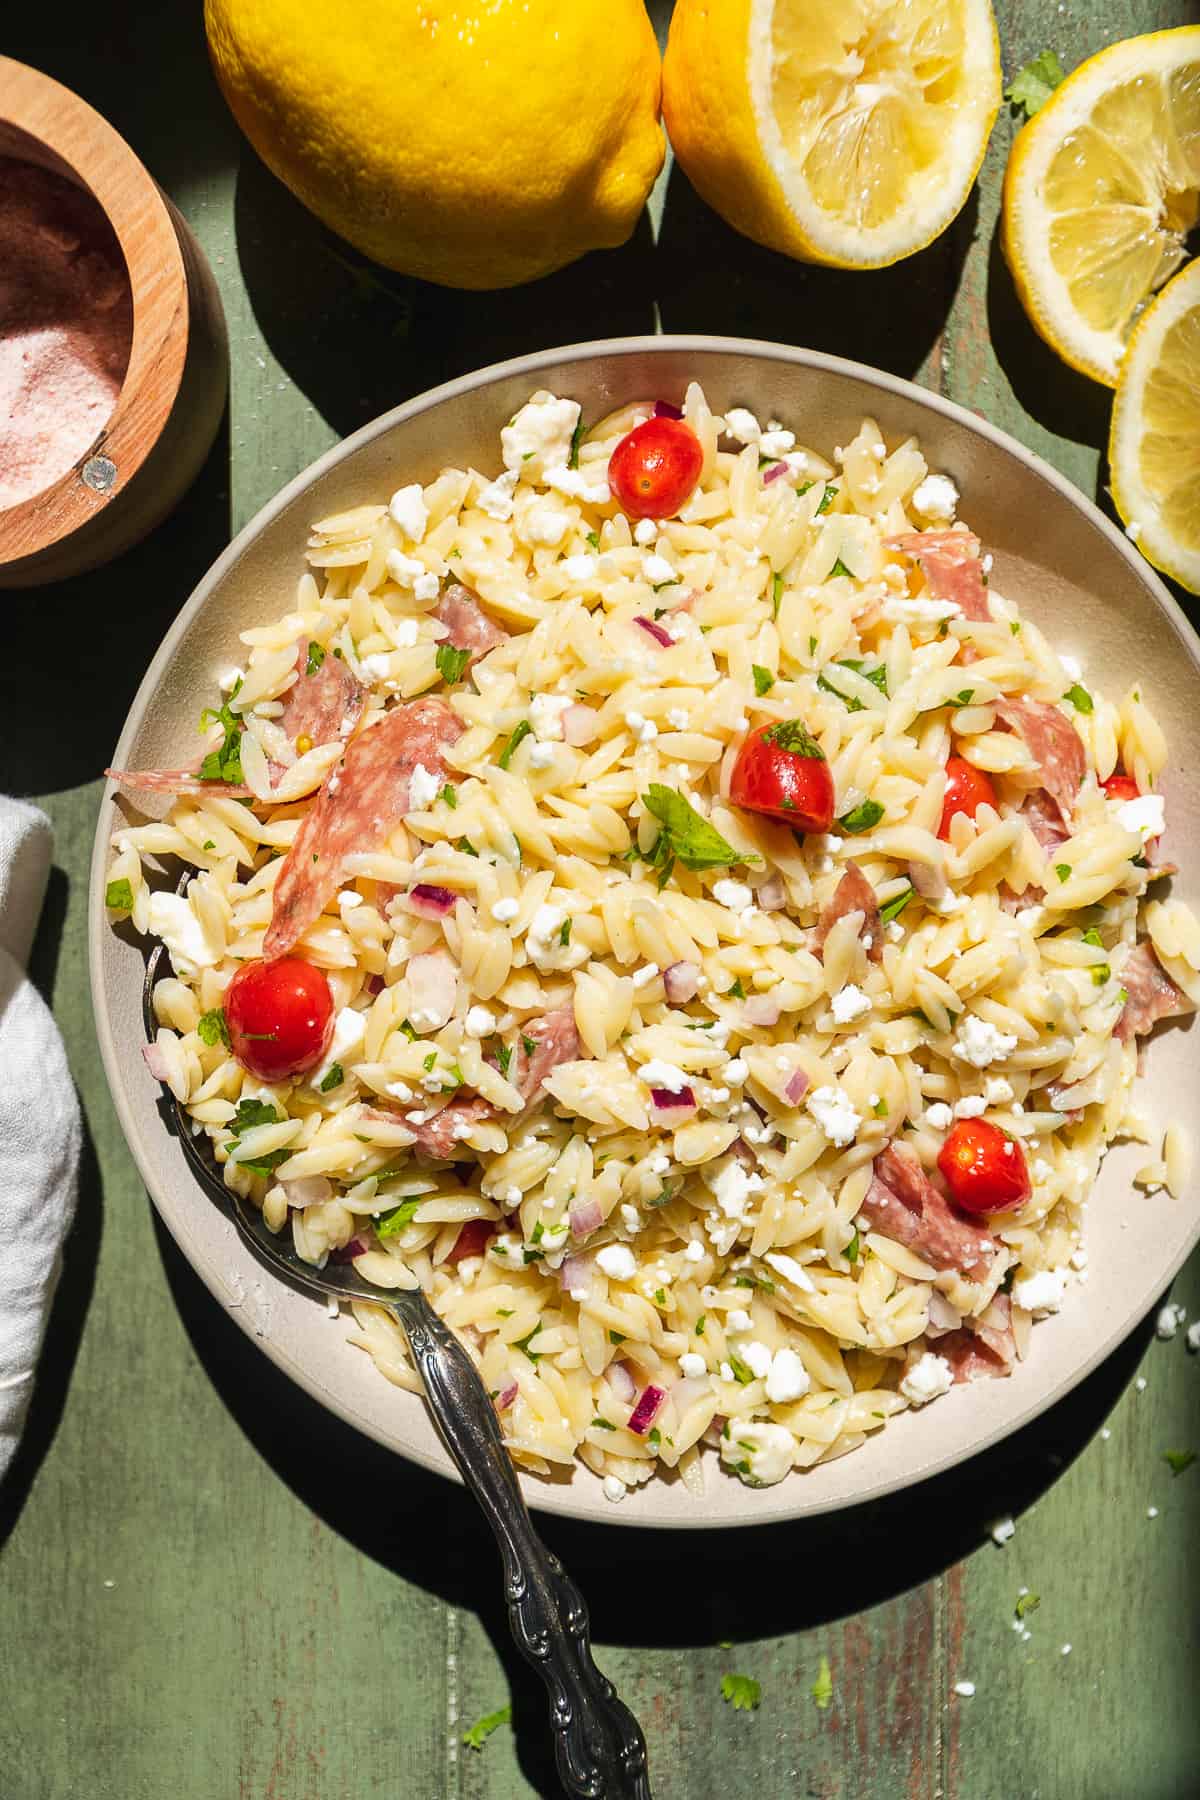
point(851, 1250)
point(880, 1108)
point(451, 663)
point(477, 1735)
point(213, 1028)
point(593, 538)
point(764, 681)
point(877, 677)
point(742, 1373)
point(861, 818)
point(776, 594)
point(504, 1057)
point(388, 1224)
point(334, 1079)
point(1027, 1603)
point(1063, 871)
point(316, 656)
point(686, 834)
point(1179, 1460)
point(576, 440)
point(119, 896)
point(822, 1687)
point(520, 733)
point(254, 1112)
point(450, 795)
point(1033, 85)
point(736, 991)
point(224, 763)
point(895, 907)
point(839, 568)
point(827, 500)
point(466, 846)
point(743, 1693)
point(564, 932)
point(1101, 972)
point(791, 735)
point(1080, 699)
point(524, 1343)
point(249, 1114)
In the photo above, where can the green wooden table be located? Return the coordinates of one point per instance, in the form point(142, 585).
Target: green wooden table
point(209, 1589)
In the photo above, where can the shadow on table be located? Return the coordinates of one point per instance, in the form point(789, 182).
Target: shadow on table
point(720, 1585)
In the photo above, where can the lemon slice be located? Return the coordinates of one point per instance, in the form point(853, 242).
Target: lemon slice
point(842, 134)
point(1154, 446)
point(1101, 192)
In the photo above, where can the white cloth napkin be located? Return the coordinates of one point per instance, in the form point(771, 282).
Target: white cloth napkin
point(40, 1131)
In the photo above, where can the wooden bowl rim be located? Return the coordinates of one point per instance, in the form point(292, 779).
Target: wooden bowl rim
point(105, 166)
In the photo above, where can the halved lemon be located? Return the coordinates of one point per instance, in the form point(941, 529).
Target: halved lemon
point(1154, 445)
point(846, 132)
point(1102, 188)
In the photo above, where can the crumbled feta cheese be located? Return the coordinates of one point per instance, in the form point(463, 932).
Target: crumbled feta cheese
point(732, 1186)
point(695, 1251)
point(849, 1005)
point(660, 1074)
point(349, 1029)
point(479, 1022)
point(496, 499)
point(539, 437)
point(378, 667)
point(939, 1115)
point(576, 486)
point(996, 1091)
point(1145, 815)
point(1192, 1337)
point(937, 498)
point(643, 729)
point(742, 425)
point(613, 1488)
point(579, 568)
point(965, 1688)
point(172, 919)
point(404, 631)
point(1140, 1384)
point(787, 1379)
point(544, 945)
point(726, 1371)
point(546, 525)
point(658, 570)
point(677, 718)
point(776, 442)
point(759, 1452)
point(1152, 1512)
point(979, 1042)
point(1169, 1320)
point(737, 1320)
point(405, 571)
point(545, 715)
point(757, 1358)
point(692, 1365)
point(423, 789)
point(1003, 1529)
point(645, 531)
point(791, 1270)
point(834, 1113)
point(904, 609)
point(735, 1071)
point(1041, 1293)
point(505, 911)
point(733, 894)
point(409, 511)
point(617, 1261)
point(930, 1376)
point(541, 755)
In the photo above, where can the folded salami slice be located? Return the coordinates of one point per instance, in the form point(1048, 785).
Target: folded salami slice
point(1152, 994)
point(554, 1039)
point(950, 564)
point(467, 624)
point(903, 1204)
point(175, 781)
point(1054, 744)
point(853, 893)
point(324, 702)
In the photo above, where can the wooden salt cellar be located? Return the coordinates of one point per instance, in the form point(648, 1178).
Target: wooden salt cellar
point(173, 393)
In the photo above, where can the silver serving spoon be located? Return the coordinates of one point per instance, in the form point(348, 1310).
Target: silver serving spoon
point(598, 1744)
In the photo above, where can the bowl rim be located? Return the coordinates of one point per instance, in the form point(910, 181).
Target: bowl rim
point(100, 161)
point(551, 1496)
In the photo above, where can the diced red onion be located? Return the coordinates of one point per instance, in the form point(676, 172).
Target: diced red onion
point(672, 1106)
point(432, 989)
point(771, 895)
point(309, 1190)
point(429, 902)
point(506, 1396)
point(663, 409)
point(742, 1151)
point(575, 1275)
point(375, 984)
point(156, 1062)
point(657, 632)
point(797, 1087)
point(682, 982)
point(761, 1009)
point(646, 1410)
point(620, 1380)
point(929, 882)
point(774, 472)
point(585, 1217)
point(349, 1251)
point(578, 725)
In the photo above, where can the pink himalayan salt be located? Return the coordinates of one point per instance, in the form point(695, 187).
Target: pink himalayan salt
point(66, 324)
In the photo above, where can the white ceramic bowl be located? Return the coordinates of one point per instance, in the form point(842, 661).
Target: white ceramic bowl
point(1074, 574)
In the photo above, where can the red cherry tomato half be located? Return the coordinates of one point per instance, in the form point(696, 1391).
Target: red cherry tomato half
point(280, 1017)
point(472, 1240)
point(967, 789)
point(654, 468)
point(781, 773)
point(984, 1168)
point(1120, 786)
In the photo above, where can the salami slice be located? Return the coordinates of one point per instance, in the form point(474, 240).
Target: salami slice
point(950, 563)
point(1042, 814)
point(853, 893)
point(903, 1204)
point(1054, 744)
point(1152, 994)
point(322, 705)
point(467, 625)
point(979, 1351)
point(360, 803)
point(554, 1039)
point(175, 781)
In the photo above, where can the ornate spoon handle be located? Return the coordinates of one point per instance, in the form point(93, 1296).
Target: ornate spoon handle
point(598, 1744)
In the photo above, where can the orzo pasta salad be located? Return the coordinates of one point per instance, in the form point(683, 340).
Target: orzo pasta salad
point(664, 901)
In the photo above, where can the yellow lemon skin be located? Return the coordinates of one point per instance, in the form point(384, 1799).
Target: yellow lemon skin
point(476, 143)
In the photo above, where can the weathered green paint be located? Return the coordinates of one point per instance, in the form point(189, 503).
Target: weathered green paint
point(293, 1615)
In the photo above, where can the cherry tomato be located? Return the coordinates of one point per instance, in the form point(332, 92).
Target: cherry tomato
point(1120, 786)
point(655, 467)
point(781, 773)
point(967, 789)
point(472, 1240)
point(984, 1168)
point(280, 1017)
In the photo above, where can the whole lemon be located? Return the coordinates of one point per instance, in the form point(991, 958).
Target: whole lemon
point(478, 143)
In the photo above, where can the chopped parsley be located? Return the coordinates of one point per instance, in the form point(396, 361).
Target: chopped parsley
point(700, 1323)
point(528, 1044)
point(1101, 972)
point(851, 1250)
point(593, 538)
point(812, 643)
point(1080, 699)
point(477, 1735)
point(449, 794)
point(564, 932)
point(208, 844)
point(839, 568)
point(876, 676)
point(791, 735)
point(213, 1028)
point(599, 1424)
point(861, 818)
point(880, 1108)
point(1033, 85)
point(334, 1079)
point(119, 896)
point(827, 500)
point(654, 1437)
point(504, 1058)
point(776, 594)
point(895, 907)
point(616, 1337)
point(737, 991)
point(387, 1224)
point(685, 835)
point(428, 1062)
point(524, 1343)
point(576, 440)
point(316, 656)
point(822, 1687)
point(520, 733)
point(466, 846)
point(1027, 1603)
point(742, 1373)
point(251, 1113)
point(451, 663)
point(764, 681)
point(743, 1693)
point(1063, 871)
point(225, 762)
point(1179, 1460)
